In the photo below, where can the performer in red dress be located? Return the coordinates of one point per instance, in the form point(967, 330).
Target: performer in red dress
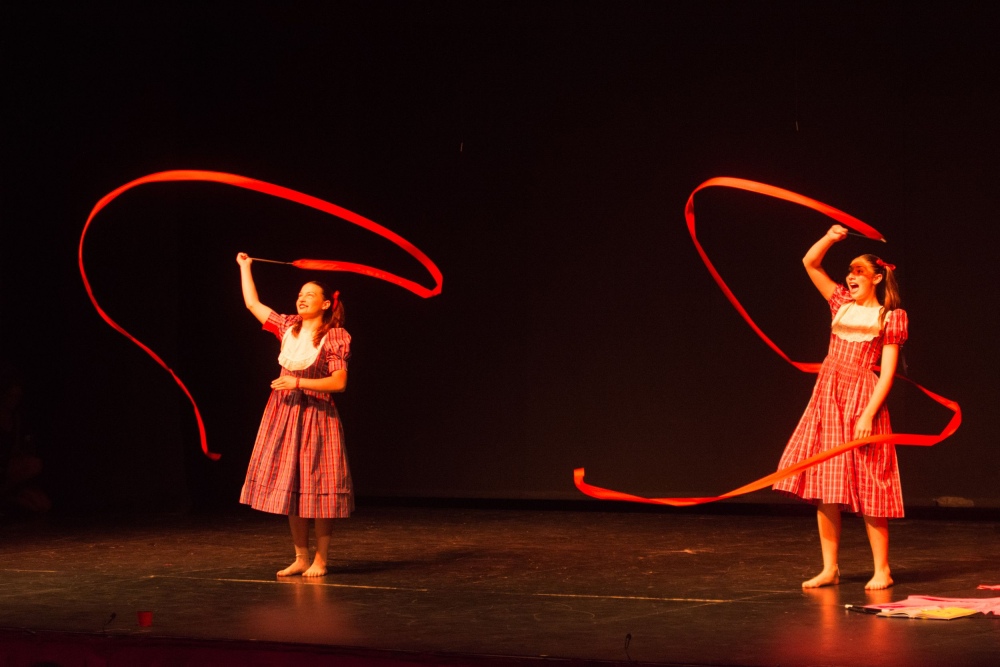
point(299, 465)
point(847, 404)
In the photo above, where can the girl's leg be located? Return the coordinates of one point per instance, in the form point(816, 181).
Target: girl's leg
point(828, 518)
point(324, 528)
point(878, 537)
point(300, 538)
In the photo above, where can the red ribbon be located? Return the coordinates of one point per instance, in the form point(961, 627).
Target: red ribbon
point(314, 264)
point(894, 438)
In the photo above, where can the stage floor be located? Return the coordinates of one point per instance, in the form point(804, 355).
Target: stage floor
point(487, 586)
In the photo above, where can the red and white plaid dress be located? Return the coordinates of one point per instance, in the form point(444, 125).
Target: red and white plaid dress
point(299, 464)
point(864, 480)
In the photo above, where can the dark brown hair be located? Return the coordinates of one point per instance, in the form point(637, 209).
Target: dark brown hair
point(887, 290)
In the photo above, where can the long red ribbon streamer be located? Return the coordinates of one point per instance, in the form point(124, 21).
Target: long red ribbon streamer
point(314, 264)
point(895, 438)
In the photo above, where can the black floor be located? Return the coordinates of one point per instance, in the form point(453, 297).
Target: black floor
point(487, 586)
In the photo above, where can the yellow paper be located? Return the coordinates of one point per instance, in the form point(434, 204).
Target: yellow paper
point(939, 613)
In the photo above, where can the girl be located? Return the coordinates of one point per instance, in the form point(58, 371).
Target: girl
point(847, 404)
point(299, 466)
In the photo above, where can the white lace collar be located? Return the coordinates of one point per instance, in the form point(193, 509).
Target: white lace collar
point(297, 353)
point(857, 324)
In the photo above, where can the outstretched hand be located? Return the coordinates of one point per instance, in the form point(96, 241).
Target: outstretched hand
point(244, 259)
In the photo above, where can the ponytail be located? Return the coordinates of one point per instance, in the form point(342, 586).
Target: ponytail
point(887, 291)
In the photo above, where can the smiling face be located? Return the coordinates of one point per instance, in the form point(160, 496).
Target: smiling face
point(311, 301)
point(861, 281)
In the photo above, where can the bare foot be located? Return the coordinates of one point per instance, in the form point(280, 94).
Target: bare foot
point(317, 569)
point(300, 566)
point(880, 581)
point(824, 578)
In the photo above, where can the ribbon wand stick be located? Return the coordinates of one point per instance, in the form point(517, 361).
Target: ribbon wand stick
point(269, 261)
point(851, 233)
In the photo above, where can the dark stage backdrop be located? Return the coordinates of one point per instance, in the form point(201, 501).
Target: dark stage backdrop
point(539, 152)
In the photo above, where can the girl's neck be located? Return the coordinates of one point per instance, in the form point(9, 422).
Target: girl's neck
point(870, 302)
point(312, 324)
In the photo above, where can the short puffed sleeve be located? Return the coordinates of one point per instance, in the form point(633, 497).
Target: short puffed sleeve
point(336, 349)
point(279, 324)
point(839, 297)
point(896, 324)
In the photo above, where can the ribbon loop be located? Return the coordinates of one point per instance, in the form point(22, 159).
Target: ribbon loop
point(895, 438)
point(321, 265)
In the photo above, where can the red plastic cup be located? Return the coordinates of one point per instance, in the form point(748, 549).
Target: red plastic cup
point(145, 619)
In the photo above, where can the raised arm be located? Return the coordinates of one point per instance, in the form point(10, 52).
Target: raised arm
point(259, 310)
point(813, 260)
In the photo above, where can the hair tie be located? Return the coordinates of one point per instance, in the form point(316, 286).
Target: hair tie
point(336, 300)
point(887, 265)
